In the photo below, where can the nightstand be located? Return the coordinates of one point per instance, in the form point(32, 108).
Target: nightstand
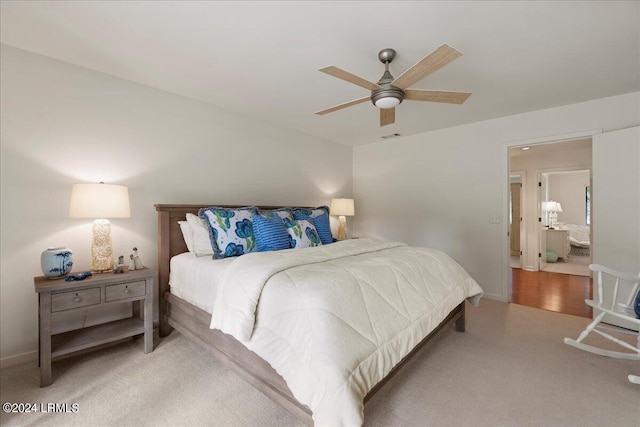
point(558, 242)
point(58, 296)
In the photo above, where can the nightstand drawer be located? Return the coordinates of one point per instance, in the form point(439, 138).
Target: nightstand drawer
point(124, 291)
point(75, 299)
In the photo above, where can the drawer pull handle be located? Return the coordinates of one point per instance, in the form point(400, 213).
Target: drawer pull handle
point(77, 299)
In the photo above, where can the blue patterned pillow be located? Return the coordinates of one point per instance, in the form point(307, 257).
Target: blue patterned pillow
point(321, 222)
point(271, 233)
point(230, 230)
point(303, 234)
point(283, 213)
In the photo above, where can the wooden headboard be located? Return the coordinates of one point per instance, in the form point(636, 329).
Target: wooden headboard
point(171, 243)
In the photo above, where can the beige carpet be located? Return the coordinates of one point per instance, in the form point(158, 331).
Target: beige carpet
point(510, 368)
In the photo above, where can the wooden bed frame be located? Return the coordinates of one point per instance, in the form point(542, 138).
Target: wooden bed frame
point(193, 322)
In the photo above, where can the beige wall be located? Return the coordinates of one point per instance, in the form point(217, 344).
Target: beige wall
point(63, 124)
point(616, 198)
point(616, 209)
point(440, 188)
point(569, 189)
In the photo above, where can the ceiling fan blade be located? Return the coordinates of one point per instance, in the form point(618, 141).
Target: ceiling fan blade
point(436, 96)
point(341, 106)
point(348, 77)
point(387, 116)
point(429, 64)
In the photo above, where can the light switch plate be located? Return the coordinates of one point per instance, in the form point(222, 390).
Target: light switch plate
point(495, 219)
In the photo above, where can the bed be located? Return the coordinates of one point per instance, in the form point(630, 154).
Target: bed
point(579, 238)
point(241, 353)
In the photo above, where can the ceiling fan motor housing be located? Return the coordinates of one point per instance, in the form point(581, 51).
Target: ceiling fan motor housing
point(386, 55)
point(387, 90)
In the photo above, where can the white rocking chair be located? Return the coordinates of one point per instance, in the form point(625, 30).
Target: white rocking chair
point(621, 310)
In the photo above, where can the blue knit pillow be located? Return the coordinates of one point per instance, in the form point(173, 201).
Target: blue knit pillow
point(321, 222)
point(271, 233)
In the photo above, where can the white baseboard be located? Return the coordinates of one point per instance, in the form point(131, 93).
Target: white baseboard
point(19, 359)
point(494, 297)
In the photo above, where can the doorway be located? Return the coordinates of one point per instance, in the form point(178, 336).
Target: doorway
point(544, 270)
point(565, 197)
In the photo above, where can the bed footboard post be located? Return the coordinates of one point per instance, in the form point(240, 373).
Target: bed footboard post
point(461, 321)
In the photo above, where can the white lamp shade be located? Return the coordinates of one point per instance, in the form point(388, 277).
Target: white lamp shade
point(388, 102)
point(552, 206)
point(99, 201)
point(342, 207)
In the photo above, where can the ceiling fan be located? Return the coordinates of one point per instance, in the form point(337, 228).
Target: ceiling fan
point(390, 92)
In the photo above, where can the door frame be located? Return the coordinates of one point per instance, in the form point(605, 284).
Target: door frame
point(506, 253)
point(523, 235)
point(539, 174)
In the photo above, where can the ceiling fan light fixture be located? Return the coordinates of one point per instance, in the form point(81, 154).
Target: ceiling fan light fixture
point(387, 97)
point(387, 102)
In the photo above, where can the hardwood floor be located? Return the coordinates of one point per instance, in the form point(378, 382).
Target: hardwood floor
point(562, 293)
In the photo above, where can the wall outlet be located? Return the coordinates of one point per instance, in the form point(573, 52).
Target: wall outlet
point(495, 219)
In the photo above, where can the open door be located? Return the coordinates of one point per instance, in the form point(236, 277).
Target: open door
point(516, 218)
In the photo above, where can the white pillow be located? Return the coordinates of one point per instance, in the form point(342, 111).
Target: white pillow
point(199, 236)
point(186, 234)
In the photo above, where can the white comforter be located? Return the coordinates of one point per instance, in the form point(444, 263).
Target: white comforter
point(334, 320)
point(578, 234)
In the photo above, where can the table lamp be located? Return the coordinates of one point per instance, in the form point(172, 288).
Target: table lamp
point(342, 208)
point(553, 207)
point(100, 201)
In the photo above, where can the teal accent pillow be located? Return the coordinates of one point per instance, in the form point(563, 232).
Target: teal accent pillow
point(303, 234)
point(551, 256)
point(270, 233)
point(230, 230)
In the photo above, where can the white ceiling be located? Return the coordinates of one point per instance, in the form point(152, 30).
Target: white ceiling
point(260, 59)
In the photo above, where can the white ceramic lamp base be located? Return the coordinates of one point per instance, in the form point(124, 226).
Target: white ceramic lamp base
point(101, 248)
point(553, 219)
